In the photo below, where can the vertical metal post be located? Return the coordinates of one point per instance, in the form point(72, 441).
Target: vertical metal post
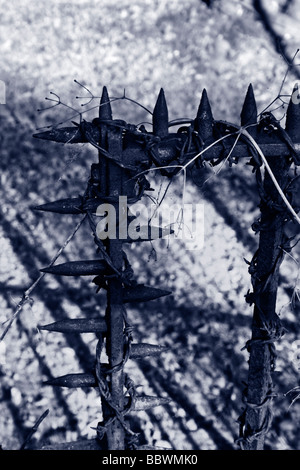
point(266, 326)
point(111, 177)
point(266, 323)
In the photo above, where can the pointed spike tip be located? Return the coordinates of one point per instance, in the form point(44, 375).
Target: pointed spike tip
point(249, 110)
point(64, 135)
point(142, 293)
point(204, 110)
point(105, 112)
point(161, 116)
point(161, 94)
point(204, 102)
point(204, 119)
point(62, 206)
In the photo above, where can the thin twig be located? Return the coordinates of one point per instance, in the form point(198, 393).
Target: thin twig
point(26, 295)
point(240, 131)
point(278, 41)
point(259, 151)
point(34, 429)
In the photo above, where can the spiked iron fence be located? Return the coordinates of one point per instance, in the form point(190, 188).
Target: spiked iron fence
point(126, 153)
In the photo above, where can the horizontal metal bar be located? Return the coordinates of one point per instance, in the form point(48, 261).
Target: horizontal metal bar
point(242, 150)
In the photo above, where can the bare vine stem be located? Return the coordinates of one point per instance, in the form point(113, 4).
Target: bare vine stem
point(240, 131)
point(267, 166)
point(34, 429)
point(26, 295)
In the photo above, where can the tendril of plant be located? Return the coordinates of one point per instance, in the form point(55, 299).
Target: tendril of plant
point(111, 100)
point(280, 95)
point(58, 102)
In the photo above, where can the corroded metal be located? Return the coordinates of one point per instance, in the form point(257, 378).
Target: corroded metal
point(249, 110)
point(79, 268)
point(161, 116)
point(142, 293)
point(77, 325)
point(126, 152)
point(146, 402)
point(75, 205)
point(204, 120)
point(141, 350)
point(264, 269)
point(73, 381)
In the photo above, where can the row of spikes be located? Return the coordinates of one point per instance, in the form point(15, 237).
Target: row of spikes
point(99, 267)
point(138, 293)
point(98, 325)
point(79, 380)
point(135, 293)
point(75, 206)
point(82, 380)
point(102, 271)
point(203, 122)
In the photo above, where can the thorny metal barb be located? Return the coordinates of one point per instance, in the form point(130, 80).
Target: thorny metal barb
point(126, 154)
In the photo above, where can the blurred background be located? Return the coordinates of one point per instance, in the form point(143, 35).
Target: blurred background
point(139, 46)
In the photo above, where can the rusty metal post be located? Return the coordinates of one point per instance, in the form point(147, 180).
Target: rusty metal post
point(111, 180)
point(266, 326)
point(124, 151)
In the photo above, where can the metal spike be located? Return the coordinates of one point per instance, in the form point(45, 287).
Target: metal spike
point(140, 350)
point(62, 206)
point(73, 381)
point(204, 119)
point(78, 268)
point(93, 204)
point(144, 447)
point(65, 135)
point(292, 124)
point(249, 110)
point(84, 444)
point(145, 402)
point(160, 118)
point(74, 205)
point(77, 325)
point(105, 112)
point(142, 293)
